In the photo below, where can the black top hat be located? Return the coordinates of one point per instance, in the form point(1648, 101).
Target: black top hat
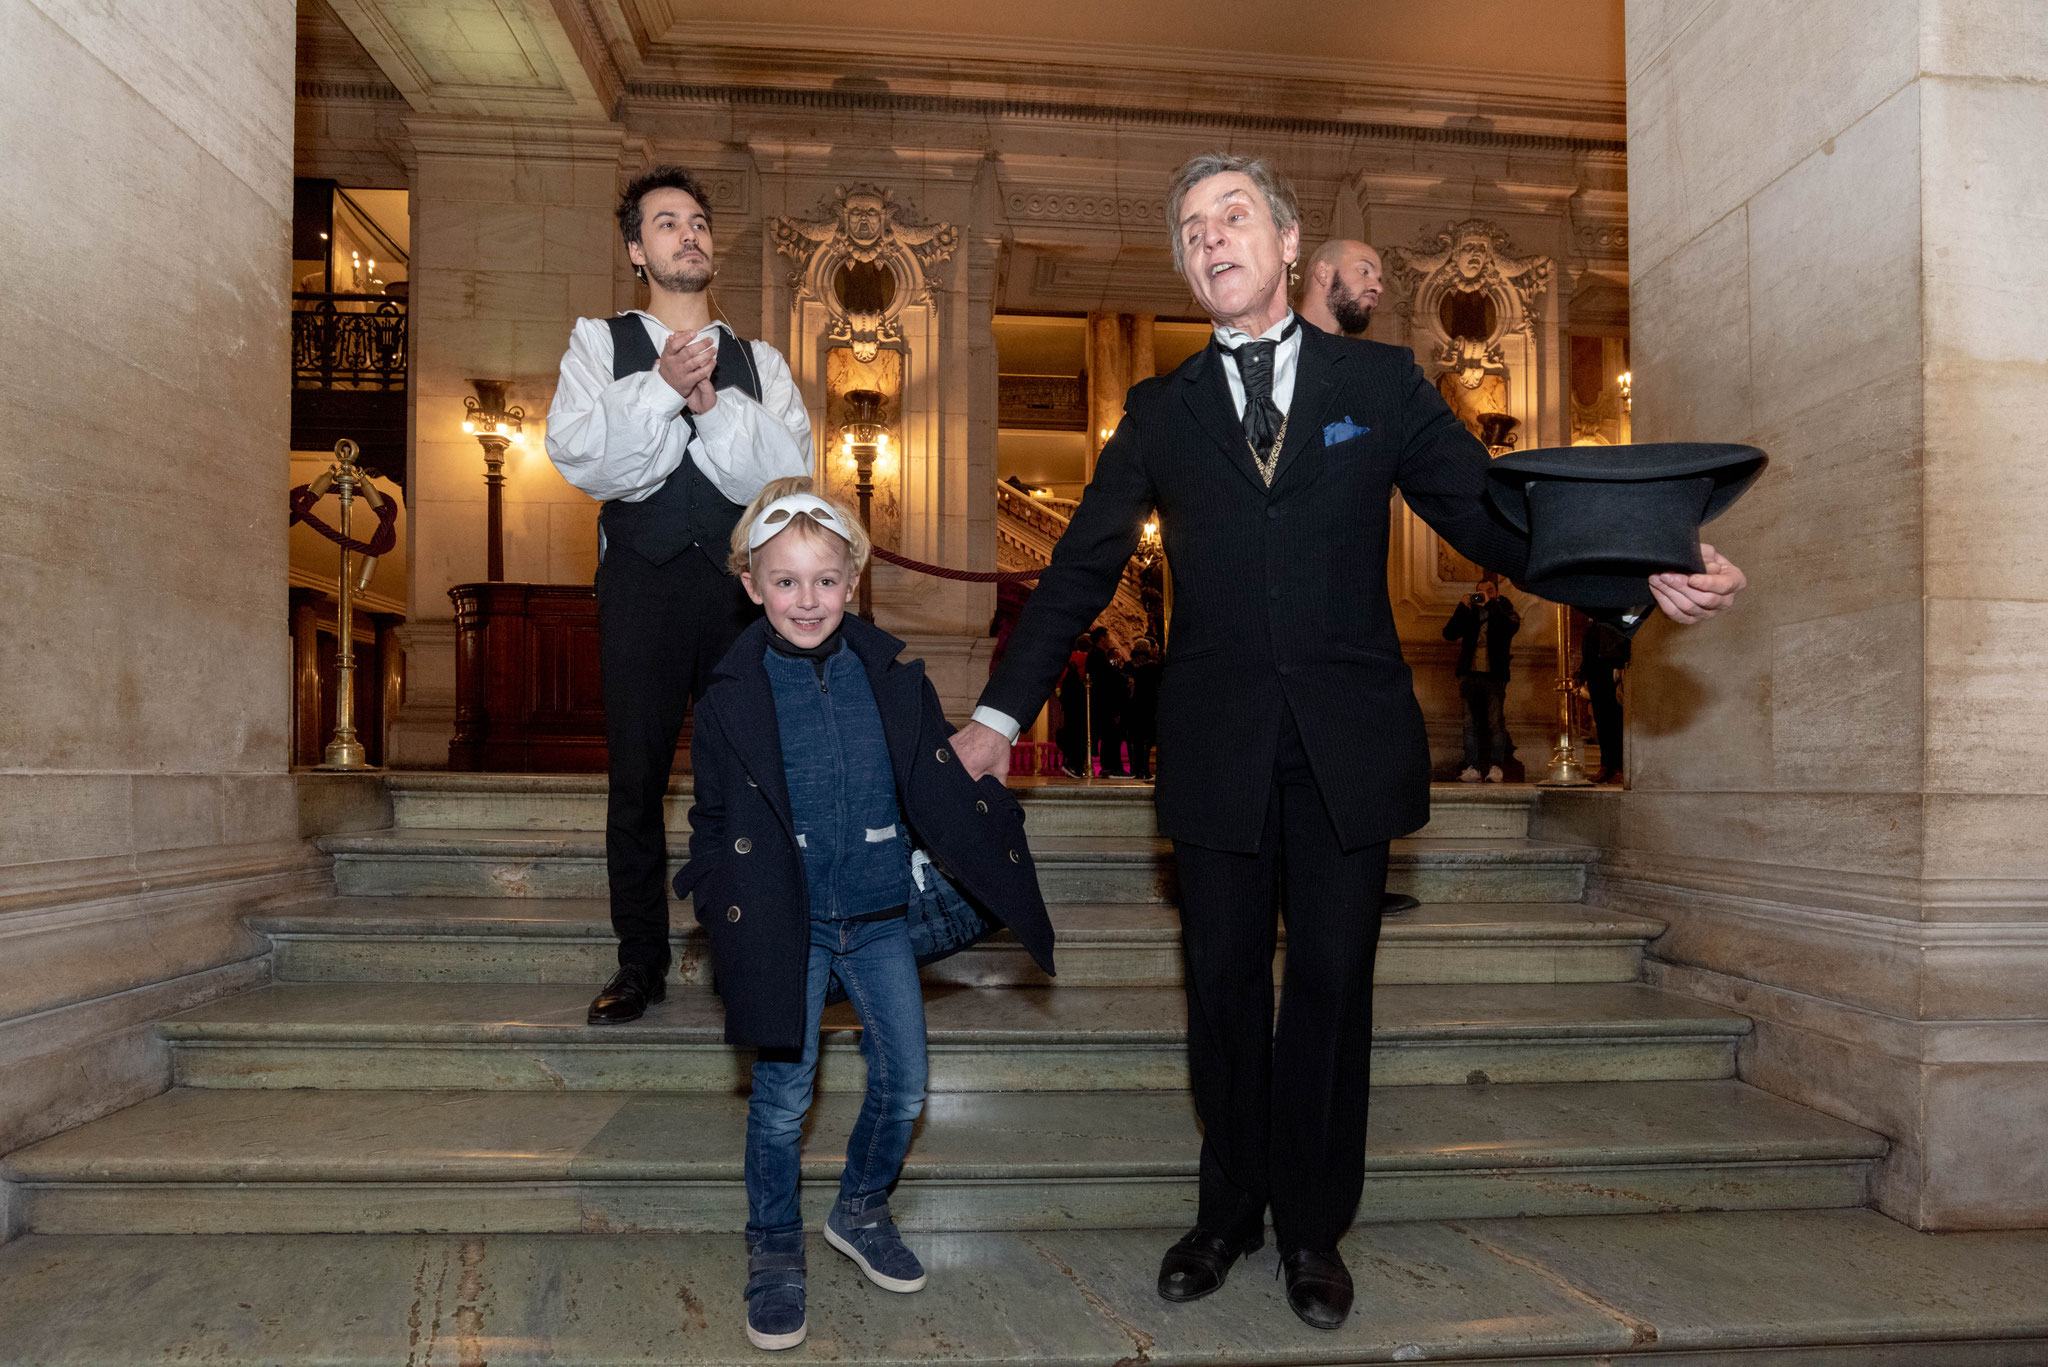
point(1602, 519)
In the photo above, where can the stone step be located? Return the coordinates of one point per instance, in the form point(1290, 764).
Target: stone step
point(1830, 1288)
point(534, 1038)
point(487, 863)
point(1103, 807)
point(570, 940)
point(199, 1161)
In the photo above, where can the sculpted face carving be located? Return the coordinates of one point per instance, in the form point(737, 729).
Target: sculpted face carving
point(1470, 258)
point(865, 217)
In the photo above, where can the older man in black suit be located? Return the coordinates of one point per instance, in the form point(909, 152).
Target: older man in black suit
point(1291, 747)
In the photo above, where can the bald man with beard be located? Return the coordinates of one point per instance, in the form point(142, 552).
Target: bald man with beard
point(1344, 279)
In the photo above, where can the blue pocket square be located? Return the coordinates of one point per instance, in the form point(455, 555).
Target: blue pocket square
point(1342, 431)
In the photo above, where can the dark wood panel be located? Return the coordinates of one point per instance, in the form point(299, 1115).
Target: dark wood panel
point(528, 694)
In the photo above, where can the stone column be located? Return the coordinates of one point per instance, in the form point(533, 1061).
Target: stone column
point(1120, 353)
point(145, 665)
point(1841, 790)
point(513, 239)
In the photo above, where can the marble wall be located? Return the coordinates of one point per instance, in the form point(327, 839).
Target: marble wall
point(1841, 790)
point(144, 681)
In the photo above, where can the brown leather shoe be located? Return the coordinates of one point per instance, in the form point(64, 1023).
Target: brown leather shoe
point(1198, 1264)
point(1318, 1287)
point(627, 996)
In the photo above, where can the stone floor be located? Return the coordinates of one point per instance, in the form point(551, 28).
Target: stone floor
point(1819, 1289)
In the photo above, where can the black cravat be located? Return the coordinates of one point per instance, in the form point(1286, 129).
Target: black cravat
point(1255, 368)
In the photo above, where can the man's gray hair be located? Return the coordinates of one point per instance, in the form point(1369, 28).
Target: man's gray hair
point(1279, 195)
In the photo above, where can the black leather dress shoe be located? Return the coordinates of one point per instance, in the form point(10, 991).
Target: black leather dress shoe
point(1397, 904)
point(1318, 1287)
point(627, 996)
point(1198, 1264)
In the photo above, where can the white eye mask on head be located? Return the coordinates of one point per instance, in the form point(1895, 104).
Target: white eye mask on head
point(775, 518)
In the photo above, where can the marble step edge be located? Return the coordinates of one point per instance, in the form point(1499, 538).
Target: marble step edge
point(260, 1017)
point(1132, 851)
point(447, 781)
point(1711, 1289)
point(208, 1149)
point(1570, 925)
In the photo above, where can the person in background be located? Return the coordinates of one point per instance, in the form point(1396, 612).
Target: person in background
point(1485, 622)
point(1107, 694)
point(1341, 287)
point(1141, 716)
point(672, 421)
point(1603, 654)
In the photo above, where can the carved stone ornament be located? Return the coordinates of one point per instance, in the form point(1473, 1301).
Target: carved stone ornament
point(1467, 291)
point(865, 258)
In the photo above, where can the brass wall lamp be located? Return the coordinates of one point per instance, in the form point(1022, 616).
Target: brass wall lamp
point(497, 426)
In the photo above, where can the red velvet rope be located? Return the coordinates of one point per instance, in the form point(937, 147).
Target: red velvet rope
point(381, 540)
point(962, 576)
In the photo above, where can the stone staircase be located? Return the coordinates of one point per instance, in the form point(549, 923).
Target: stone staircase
point(422, 1062)
point(420, 1066)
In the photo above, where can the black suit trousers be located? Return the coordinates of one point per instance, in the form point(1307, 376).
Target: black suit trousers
point(661, 629)
point(1283, 1105)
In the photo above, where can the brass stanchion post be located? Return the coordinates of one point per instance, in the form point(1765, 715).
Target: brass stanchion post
point(1565, 769)
point(345, 751)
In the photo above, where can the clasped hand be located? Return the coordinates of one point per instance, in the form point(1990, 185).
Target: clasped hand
point(686, 363)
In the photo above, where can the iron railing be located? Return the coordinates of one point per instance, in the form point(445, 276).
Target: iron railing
point(348, 341)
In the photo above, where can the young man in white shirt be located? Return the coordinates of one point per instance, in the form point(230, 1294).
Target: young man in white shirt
point(675, 424)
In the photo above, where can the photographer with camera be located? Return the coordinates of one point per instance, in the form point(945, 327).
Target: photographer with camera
point(1485, 619)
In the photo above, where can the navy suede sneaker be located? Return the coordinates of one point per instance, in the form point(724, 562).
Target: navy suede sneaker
point(863, 1230)
point(775, 1291)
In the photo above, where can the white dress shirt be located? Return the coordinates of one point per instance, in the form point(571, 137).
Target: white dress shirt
point(1285, 358)
point(622, 439)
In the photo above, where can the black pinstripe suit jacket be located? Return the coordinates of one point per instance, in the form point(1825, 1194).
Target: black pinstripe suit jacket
point(1280, 594)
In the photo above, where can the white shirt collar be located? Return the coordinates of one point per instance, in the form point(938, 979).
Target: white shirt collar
point(1231, 337)
point(661, 330)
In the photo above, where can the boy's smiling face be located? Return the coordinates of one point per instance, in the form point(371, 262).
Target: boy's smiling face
point(803, 579)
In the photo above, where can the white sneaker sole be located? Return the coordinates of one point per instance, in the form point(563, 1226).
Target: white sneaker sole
point(774, 1341)
point(886, 1283)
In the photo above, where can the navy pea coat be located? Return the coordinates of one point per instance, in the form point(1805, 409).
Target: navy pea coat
point(746, 875)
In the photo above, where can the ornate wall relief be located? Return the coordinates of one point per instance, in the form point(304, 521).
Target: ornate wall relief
point(864, 257)
point(1471, 306)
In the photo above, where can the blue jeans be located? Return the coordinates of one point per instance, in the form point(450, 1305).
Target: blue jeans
point(874, 963)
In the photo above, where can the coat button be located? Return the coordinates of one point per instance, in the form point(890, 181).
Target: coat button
point(732, 913)
point(742, 846)
point(1014, 859)
point(944, 754)
point(1272, 514)
point(980, 806)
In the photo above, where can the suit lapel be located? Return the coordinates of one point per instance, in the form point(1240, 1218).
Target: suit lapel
point(1314, 379)
point(1207, 395)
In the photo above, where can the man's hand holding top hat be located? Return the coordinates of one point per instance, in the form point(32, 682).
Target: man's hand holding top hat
point(1690, 598)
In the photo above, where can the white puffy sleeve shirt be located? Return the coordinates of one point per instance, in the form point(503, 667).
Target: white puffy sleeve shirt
point(622, 439)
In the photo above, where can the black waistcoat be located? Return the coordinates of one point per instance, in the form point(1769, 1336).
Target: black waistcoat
point(687, 509)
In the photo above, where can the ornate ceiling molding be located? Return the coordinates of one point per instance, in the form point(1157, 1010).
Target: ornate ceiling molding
point(889, 102)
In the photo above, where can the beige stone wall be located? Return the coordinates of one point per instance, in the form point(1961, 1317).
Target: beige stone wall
point(513, 240)
point(144, 687)
point(1841, 791)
